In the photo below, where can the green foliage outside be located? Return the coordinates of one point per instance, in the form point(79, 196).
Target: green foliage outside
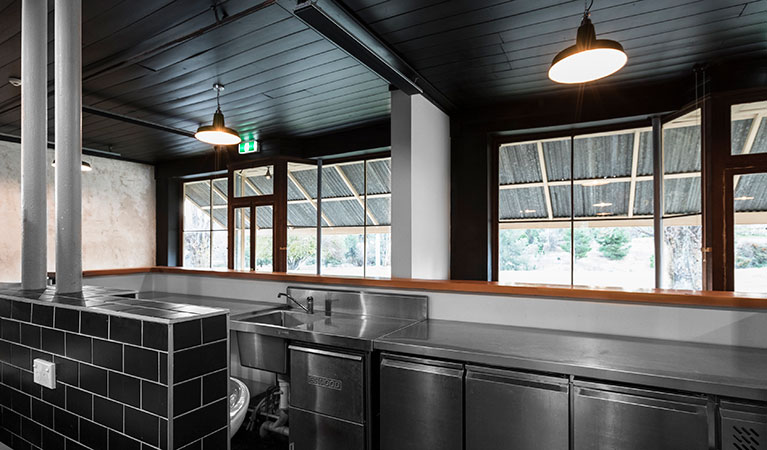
point(301, 249)
point(613, 243)
point(583, 239)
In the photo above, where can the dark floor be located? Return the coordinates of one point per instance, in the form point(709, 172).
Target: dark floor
point(250, 440)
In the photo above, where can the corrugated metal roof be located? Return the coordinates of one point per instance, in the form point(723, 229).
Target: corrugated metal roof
point(522, 203)
point(682, 196)
point(760, 143)
point(603, 156)
point(643, 203)
point(557, 157)
point(681, 149)
point(519, 163)
point(751, 185)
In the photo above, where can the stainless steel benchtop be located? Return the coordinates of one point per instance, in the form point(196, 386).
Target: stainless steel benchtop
point(738, 372)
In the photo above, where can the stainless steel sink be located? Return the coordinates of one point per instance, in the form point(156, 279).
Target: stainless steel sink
point(287, 319)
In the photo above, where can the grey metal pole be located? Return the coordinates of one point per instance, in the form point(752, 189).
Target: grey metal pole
point(68, 127)
point(658, 208)
point(34, 140)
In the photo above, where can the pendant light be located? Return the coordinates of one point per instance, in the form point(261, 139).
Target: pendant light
point(217, 133)
point(85, 166)
point(589, 59)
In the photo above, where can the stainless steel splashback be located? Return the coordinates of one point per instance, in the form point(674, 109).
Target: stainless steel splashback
point(379, 304)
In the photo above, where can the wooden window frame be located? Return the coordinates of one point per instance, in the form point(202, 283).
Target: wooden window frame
point(182, 196)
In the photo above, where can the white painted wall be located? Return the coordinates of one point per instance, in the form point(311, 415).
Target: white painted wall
point(702, 325)
point(118, 214)
point(420, 188)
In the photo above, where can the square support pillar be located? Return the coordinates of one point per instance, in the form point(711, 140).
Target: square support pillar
point(420, 150)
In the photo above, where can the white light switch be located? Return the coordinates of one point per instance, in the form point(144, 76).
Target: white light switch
point(45, 373)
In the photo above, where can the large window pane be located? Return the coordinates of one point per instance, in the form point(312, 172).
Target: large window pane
point(750, 205)
point(609, 252)
point(534, 210)
point(254, 181)
point(302, 218)
point(242, 225)
point(197, 249)
point(197, 206)
point(535, 255)
point(378, 219)
point(615, 254)
point(749, 128)
point(682, 242)
point(683, 267)
point(205, 224)
point(264, 241)
point(343, 226)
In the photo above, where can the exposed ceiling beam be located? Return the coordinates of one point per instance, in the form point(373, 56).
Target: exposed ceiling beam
point(138, 122)
point(339, 26)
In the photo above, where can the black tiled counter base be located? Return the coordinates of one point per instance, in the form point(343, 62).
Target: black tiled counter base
point(113, 378)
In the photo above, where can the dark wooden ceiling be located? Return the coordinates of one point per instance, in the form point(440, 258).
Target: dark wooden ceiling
point(149, 60)
point(476, 52)
point(157, 59)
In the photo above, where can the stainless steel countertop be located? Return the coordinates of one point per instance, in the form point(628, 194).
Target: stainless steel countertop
point(738, 372)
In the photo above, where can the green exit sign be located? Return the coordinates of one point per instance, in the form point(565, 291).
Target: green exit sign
point(248, 146)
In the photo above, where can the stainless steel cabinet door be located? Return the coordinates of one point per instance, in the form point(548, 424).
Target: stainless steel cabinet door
point(327, 382)
point(311, 431)
point(421, 404)
point(512, 410)
point(617, 418)
point(743, 426)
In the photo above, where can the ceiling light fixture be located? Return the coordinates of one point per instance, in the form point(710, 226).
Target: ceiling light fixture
point(217, 133)
point(590, 58)
point(602, 204)
point(85, 166)
point(268, 175)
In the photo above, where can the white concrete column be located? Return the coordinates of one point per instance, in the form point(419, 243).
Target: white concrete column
point(68, 129)
point(420, 149)
point(34, 140)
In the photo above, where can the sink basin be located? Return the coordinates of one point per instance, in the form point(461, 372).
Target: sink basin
point(288, 319)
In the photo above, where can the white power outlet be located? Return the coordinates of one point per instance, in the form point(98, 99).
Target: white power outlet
point(45, 373)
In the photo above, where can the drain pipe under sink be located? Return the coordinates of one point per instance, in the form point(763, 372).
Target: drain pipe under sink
point(279, 426)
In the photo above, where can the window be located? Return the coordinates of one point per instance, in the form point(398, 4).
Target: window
point(682, 231)
point(302, 218)
point(204, 224)
point(590, 227)
point(356, 218)
point(749, 136)
point(750, 233)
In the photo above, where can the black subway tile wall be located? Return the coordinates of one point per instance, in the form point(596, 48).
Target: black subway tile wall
point(117, 376)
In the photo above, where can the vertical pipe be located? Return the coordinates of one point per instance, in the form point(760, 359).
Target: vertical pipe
point(658, 209)
point(68, 130)
point(34, 142)
point(319, 217)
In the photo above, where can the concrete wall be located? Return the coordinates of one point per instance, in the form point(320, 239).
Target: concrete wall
point(702, 325)
point(118, 214)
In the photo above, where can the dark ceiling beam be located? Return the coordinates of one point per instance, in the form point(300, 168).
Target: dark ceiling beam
point(138, 122)
point(339, 26)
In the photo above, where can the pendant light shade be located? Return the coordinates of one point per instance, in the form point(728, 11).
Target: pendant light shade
point(217, 133)
point(589, 59)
